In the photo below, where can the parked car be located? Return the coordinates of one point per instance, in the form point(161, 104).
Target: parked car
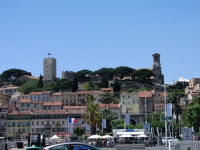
point(71, 146)
point(169, 139)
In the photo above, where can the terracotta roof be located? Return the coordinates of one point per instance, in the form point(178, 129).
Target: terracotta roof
point(26, 112)
point(56, 94)
point(107, 89)
point(74, 107)
point(109, 106)
point(46, 92)
point(35, 93)
point(84, 92)
point(32, 77)
point(58, 111)
point(145, 94)
point(4, 106)
point(24, 101)
point(52, 103)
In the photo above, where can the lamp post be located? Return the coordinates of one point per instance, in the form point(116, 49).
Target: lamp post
point(165, 111)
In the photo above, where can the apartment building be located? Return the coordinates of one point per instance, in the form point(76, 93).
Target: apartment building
point(40, 96)
point(4, 98)
point(3, 118)
point(130, 102)
point(45, 121)
point(146, 102)
point(18, 123)
point(9, 89)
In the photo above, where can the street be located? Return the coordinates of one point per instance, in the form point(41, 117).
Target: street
point(146, 148)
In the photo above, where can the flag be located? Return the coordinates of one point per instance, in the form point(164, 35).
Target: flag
point(127, 118)
point(169, 109)
point(104, 123)
point(72, 120)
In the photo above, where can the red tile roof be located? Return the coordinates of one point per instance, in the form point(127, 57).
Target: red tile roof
point(145, 94)
point(52, 103)
point(24, 101)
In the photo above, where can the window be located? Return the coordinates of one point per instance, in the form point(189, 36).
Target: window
point(81, 147)
point(128, 96)
point(37, 122)
point(42, 122)
point(22, 104)
point(63, 122)
point(33, 130)
point(53, 122)
point(59, 147)
point(33, 123)
point(123, 96)
point(27, 104)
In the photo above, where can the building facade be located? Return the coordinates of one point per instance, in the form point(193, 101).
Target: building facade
point(49, 70)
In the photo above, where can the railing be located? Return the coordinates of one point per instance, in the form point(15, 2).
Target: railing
point(184, 145)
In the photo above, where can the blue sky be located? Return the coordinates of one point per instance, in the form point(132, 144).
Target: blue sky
point(91, 34)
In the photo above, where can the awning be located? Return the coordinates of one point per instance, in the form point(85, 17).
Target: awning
point(131, 133)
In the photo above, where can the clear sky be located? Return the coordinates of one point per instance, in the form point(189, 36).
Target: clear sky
point(91, 34)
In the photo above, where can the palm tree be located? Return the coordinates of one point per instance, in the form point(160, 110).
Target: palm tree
point(107, 98)
point(174, 98)
point(57, 125)
point(93, 115)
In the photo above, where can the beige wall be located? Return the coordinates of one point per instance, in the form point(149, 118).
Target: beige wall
point(130, 103)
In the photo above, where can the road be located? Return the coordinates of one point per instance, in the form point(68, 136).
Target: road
point(146, 148)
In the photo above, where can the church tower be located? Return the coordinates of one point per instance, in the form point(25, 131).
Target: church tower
point(159, 77)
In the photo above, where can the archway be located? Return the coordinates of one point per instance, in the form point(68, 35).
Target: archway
point(132, 122)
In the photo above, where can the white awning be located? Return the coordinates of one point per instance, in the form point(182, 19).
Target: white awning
point(131, 133)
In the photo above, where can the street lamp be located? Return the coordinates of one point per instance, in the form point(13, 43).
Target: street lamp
point(165, 110)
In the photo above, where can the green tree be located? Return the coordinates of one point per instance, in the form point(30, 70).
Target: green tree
point(87, 87)
point(143, 75)
point(123, 71)
point(12, 74)
point(49, 87)
point(190, 116)
point(79, 131)
point(107, 98)
point(27, 87)
point(83, 75)
point(117, 123)
point(93, 115)
point(57, 126)
point(63, 85)
point(109, 115)
point(174, 98)
point(105, 72)
point(116, 86)
point(75, 85)
point(104, 82)
point(40, 82)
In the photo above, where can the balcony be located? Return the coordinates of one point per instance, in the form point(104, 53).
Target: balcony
point(47, 126)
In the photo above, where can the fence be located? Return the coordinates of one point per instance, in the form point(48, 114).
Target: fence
point(184, 145)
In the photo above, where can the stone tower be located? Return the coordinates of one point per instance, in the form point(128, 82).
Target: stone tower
point(159, 77)
point(49, 70)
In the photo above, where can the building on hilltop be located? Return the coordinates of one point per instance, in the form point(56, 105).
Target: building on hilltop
point(159, 77)
point(68, 75)
point(49, 70)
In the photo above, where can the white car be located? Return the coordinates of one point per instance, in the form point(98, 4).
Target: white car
point(169, 139)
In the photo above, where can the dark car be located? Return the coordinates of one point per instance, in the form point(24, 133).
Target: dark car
point(71, 146)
